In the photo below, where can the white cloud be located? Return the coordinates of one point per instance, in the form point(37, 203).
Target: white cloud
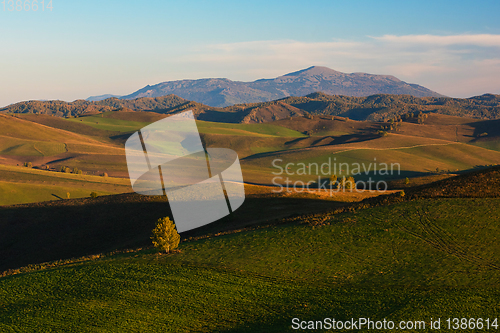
point(477, 40)
point(456, 65)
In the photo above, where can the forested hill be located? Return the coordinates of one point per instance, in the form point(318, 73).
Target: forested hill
point(376, 107)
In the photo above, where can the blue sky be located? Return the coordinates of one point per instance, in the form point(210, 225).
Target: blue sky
point(84, 48)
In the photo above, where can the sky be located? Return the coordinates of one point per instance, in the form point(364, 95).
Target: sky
point(84, 48)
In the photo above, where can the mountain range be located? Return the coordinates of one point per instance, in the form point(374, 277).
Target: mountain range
point(375, 107)
point(218, 92)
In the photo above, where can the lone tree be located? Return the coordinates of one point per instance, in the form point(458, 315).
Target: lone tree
point(350, 183)
point(165, 236)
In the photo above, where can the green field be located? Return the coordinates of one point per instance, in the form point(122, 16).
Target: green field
point(493, 145)
point(16, 193)
point(247, 129)
point(95, 145)
point(21, 147)
point(109, 124)
point(20, 185)
point(412, 162)
point(257, 269)
point(414, 261)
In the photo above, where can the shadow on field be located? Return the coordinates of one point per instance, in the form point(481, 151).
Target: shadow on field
point(63, 229)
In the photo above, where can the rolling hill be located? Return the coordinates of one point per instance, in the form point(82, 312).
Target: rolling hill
point(85, 264)
point(95, 143)
point(375, 108)
point(412, 259)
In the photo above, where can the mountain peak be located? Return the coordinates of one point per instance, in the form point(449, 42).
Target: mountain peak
point(224, 92)
point(315, 70)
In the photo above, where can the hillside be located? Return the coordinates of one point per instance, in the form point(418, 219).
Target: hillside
point(374, 108)
point(78, 227)
point(224, 92)
point(165, 104)
point(444, 142)
point(412, 260)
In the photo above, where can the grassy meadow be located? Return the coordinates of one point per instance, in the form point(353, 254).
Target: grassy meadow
point(413, 261)
point(25, 185)
point(94, 144)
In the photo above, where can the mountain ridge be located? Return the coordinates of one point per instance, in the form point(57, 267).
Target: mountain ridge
point(222, 92)
point(375, 107)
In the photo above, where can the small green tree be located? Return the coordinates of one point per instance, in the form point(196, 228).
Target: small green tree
point(28, 164)
point(333, 179)
point(93, 195)
point(407, 181)
point(67, 195)
point(165, 237)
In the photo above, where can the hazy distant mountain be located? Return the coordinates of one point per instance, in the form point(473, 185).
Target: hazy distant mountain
point(100, 97)
point(224, 92)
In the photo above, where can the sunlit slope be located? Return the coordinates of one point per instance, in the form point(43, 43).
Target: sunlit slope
point(15, 127)
point(414, 149)
point(20, 185)
point(20, 137)
point(402, 156)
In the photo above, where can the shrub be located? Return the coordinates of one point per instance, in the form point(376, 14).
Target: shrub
point(67, 195)
point(407, 181)
point(93, 195)
point(382, 133)
point(333, 179)
point(28, 164)
point(105, 174)
point(402, 193)
point(348, 183)
point(165, 237)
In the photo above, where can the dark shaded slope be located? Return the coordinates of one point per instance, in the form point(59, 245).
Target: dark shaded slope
point(53, 230)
